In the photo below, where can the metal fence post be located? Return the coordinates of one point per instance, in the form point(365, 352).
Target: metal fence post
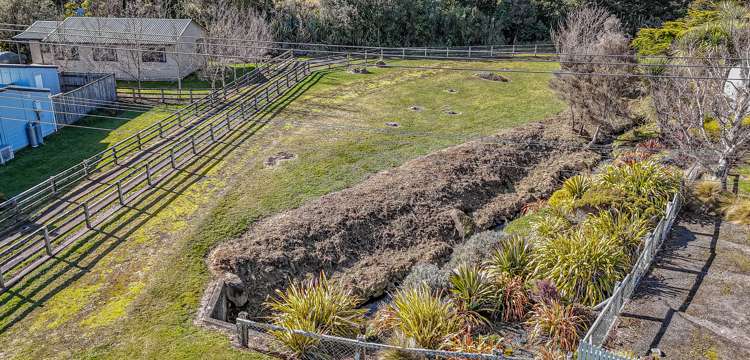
point(492, 50)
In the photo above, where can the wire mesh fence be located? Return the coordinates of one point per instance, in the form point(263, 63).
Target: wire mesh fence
point(272, 340)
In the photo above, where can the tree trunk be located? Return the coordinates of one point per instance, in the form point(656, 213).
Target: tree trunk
point(722, 173)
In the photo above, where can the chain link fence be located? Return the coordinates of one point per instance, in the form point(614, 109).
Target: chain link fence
point(265, 338)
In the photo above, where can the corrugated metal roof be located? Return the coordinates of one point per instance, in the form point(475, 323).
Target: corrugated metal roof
point(106, 30)
point(38, 30)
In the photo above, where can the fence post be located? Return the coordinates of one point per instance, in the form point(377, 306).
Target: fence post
point(138, 136)
point(52, 183)
point(87, 215)
point(2, 281)
point(114, 155)
point(120, 196)
point(535, 49)
point(513, 53)
point(403, 54)
point(148, 175)
point(192, 144)
point(171, 158)
point(469, 51)
point(211, 132)
point(242, 334)
point(190, 91)
point(162, 96)
point(492, 50)
point(47, 243)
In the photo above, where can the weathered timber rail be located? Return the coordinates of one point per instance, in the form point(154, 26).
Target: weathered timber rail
point(21, 207)
point(19, 255)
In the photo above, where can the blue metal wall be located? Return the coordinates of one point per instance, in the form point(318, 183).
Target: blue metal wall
point(17, 106)
point(27, 75)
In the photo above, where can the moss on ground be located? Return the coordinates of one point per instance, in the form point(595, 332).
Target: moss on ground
point(134, 293)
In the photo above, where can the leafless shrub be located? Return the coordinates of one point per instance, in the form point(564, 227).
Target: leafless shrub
point(596, 101)
point(235, 34)
point(702, 109)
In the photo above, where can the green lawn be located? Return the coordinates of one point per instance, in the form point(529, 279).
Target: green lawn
point(70, 146)
point(192, 81)
point(134, 293)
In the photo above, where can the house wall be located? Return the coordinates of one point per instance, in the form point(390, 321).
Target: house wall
point(178, 65)
point(127, 66)
point(36, 52)
point(188, 44)
point(17, 106)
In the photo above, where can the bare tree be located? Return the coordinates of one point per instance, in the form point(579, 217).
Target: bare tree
point(234, 34)
point(598, 102)
point(702, 109)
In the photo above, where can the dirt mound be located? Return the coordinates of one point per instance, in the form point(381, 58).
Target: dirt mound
point(274, 160)
point(369, 236)
point(492, 76)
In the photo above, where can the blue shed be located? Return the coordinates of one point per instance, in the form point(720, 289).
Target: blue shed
point(25, 102)
point(35, 76)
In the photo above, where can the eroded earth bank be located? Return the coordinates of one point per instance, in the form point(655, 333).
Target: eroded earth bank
point(370, 235)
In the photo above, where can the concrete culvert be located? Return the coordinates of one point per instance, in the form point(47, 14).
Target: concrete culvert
point(276, 159)
point(492, 76)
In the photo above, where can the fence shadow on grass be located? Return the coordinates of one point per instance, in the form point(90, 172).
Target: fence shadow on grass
point(143, 210)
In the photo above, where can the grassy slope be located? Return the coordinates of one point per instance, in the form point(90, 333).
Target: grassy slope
point(135, 295)
point(70, 146)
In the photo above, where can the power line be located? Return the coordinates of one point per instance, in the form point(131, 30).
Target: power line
point(360, 47)
point(566, 73)
point(68, 101)
point(59, 125)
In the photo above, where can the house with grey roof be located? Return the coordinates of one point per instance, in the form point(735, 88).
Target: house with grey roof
point(148, 49)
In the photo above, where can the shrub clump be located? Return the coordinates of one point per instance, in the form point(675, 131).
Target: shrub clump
point(584, 269)
point(421, 317)
point(557, 325)
point(318, 306)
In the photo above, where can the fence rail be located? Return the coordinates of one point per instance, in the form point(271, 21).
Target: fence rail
point(89, 91)
point(19, 207)
point(161, 95)
point(447, 52)
point(263, 337)
point(21, 255)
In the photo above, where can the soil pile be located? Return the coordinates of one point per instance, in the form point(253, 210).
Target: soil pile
point(369, 236)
